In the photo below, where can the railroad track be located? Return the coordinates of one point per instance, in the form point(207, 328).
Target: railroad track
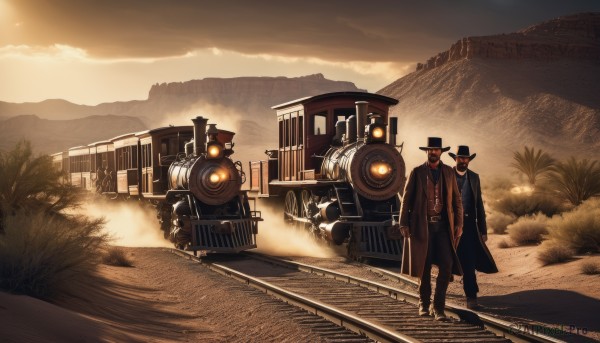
point(379, 312)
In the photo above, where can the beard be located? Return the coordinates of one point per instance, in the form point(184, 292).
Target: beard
point(433, 158)
point(462, 167)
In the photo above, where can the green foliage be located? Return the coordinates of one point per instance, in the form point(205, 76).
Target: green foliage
point(32, 183)
point(575, 181)
point(43, 255)
point(529, 229)
point(532, 163)
point(578, 229)
point(522, 204)
point(554, 252)
point(115, 256)
point(590, 268)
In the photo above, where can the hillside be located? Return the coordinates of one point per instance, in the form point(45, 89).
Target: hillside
point(538, 86)
point(50, 136)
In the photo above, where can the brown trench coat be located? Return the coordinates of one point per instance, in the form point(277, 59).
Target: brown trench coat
point(413, 214)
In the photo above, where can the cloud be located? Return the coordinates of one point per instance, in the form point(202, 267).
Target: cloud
point(382, 31)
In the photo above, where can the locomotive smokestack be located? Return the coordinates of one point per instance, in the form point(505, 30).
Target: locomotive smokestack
point(393, 130)
point(340, 129)
point(351, 129)
point(199, 135)
point(361, 118)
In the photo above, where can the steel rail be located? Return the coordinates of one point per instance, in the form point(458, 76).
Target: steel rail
point(339, 317)
point(500, 327)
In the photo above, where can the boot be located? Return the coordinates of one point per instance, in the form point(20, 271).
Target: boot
point(439, 314)
point(472, 304)
point(423, 309)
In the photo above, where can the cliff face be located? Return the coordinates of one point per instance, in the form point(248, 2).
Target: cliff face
point(496, 100)
point(50, 136)
point(576, 36)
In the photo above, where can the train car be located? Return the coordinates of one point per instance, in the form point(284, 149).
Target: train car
point(102, 162)
point(158, 149)
point(127, 176)
point(79, 167)
point(207, 209)
point(338, 170)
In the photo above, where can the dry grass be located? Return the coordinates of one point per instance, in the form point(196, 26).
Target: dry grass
point(504, 244)
point(115, 256)
point(590, 268)
point(523, 204)
point(529, 229)
point(579, 229)
point(552, 252)
point(498, 222)
point(43, 255)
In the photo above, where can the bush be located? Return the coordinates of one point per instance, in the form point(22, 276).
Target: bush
point(580, 228)
point(503, 244)
point(115, 256)
point(552, 252)
point(590, 268)
point(528, 230)
point(498, 222)
point(575, 181)
point(523, 204)
point(532, 163)
point(43, 255)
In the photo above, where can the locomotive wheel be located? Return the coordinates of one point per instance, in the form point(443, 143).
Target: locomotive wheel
point(305, 197)
point(291, 208)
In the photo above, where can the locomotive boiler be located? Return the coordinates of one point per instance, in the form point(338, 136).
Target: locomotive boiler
point(339, 171)
point(208, 210)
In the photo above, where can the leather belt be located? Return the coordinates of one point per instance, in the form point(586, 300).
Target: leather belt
point(434, 219)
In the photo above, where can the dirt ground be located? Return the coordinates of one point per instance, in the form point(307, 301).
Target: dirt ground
point(165, 298)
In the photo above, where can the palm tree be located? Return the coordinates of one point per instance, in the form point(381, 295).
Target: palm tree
point(532, 163)
point(576, 181)
point(32, 183)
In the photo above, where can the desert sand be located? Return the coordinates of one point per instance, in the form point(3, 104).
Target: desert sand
point(165, 298)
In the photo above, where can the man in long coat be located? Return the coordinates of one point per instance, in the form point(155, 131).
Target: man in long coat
point(431, 221)
point(472, 251)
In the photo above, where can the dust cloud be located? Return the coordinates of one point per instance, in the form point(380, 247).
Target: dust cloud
point(276, 237)
point(129, 224)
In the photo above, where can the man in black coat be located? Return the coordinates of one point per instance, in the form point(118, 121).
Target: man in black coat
point(472, 251)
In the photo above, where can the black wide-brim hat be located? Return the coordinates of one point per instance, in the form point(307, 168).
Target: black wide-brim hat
point(434, 143)
point(463, 151)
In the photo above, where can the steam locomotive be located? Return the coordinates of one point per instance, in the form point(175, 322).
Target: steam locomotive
point(337, 171)
point(186, 172)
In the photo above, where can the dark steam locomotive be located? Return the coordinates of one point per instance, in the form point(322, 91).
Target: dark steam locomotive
point(186, 172)
point(337, 171)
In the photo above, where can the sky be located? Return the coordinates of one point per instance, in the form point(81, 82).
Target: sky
point(94, 51)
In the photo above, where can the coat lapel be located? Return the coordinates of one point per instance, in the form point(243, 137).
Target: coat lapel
point(424, 174)
point(472, 183)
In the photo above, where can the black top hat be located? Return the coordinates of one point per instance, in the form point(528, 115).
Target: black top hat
point(434, 143)
point(463, 151)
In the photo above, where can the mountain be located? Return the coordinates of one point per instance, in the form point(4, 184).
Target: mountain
point(241, 104)
point(50, 136)
point(537, 87)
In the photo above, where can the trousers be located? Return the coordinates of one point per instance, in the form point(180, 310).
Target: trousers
point(439, 252)
point(467, 255)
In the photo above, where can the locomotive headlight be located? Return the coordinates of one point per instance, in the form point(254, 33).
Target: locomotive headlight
point(380, 170)
point(378, 132)
point(214, 150)
point(214, 178)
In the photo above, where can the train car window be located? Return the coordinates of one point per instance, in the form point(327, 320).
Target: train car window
point(320, 124)
point(134, 154)
point(293, 133)
point(343, 113)
point(300, 130)
point(288, 134)
point(281, 133)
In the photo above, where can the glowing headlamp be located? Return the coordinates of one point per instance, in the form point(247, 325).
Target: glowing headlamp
point(378, 132)
point(214, 150)
point(380, 170)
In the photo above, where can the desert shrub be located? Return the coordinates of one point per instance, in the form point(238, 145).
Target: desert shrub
point(44, 255)
point(498, 222)
point(590, 268)
point(503, 244)
point(115, 256)
point(522, 204)
point(532, 163)
point(579, 229)
point(554, 252)
point(575, 181)
point(529, 229)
